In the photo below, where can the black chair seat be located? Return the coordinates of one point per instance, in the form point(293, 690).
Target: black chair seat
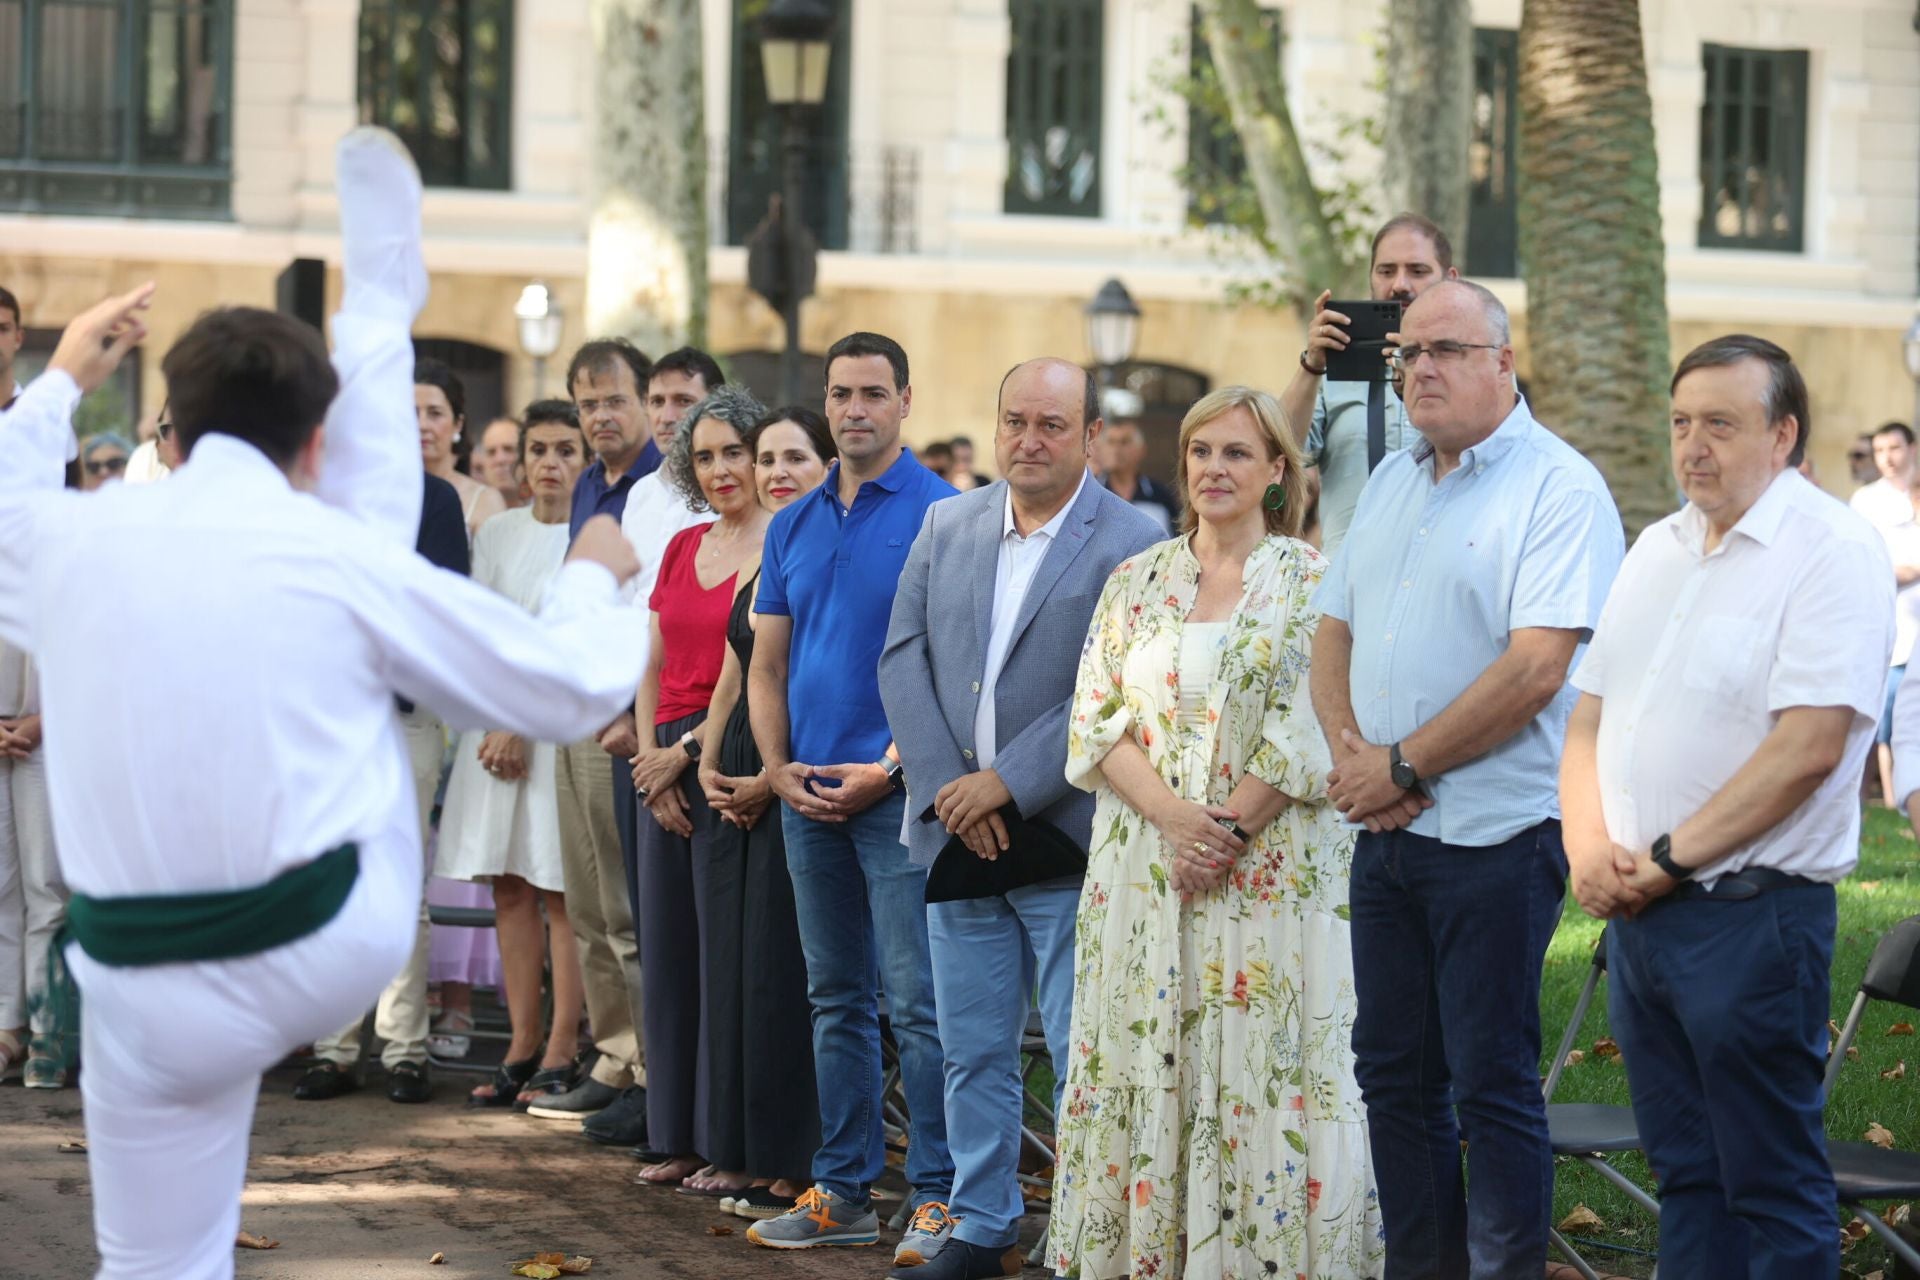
point(1866, 1172)
point(1581, 1128)
point(461, 917)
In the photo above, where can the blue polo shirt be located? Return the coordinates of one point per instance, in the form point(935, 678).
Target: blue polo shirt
point(593, 496)
point(834, 570)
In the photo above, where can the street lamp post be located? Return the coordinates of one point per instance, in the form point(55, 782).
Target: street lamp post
point(1113, 326)
point(795, 47)
point(541, 321)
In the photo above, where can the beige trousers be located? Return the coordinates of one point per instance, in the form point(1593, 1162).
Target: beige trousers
point(401, 1019)
point(596, 883)
point(33, 898)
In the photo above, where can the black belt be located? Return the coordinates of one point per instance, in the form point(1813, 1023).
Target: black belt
point(1739, 886)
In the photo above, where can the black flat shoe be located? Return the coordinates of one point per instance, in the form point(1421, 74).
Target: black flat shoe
point(324, 1080)
point(407, 1082)
point(509, 1078)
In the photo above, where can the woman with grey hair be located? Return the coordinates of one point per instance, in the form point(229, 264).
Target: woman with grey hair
point(711, 464)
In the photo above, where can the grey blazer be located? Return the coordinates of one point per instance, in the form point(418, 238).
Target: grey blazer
point(936, 653)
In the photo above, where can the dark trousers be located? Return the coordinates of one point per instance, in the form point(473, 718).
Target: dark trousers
point(626, 810)
point(1448, 942)
point(1721, 1012)
point(672, 919)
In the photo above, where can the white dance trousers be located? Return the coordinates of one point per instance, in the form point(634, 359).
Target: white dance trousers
point(33, 901)
point(174, 1055)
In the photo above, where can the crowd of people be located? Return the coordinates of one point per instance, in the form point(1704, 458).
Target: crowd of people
point(1273, 836)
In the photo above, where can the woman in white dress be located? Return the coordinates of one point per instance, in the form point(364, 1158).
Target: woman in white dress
point(501, 820)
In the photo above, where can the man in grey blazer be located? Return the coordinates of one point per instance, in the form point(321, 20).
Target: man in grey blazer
point(976, 676)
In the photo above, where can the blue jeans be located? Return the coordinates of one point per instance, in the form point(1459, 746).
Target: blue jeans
point(863, 924)
point(1448, 943)
point(987, 954)
point(1721, 1011)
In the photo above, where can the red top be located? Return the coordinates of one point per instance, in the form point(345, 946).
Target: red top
point(693, 626)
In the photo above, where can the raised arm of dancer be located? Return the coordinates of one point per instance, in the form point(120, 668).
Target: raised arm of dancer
point(371, 466)
point(35, 435)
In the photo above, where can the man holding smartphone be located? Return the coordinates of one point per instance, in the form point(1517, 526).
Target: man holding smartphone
point(1409, 254)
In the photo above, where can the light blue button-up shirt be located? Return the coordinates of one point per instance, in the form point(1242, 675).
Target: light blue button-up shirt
point(1337, 444)
point(1432, 579)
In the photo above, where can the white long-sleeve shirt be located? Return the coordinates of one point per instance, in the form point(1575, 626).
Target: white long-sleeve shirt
point(218, 655)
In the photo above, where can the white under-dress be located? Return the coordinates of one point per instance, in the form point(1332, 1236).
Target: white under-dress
point(490, 827)
point(1200, 647)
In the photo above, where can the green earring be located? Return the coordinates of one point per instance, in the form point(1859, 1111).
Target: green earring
point(1275, 498)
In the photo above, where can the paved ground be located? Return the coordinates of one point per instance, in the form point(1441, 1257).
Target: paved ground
point(361, 1187)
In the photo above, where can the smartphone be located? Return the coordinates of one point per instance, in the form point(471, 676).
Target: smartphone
point(1364, 359)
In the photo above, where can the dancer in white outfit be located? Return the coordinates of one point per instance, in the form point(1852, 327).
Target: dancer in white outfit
point(259, 887)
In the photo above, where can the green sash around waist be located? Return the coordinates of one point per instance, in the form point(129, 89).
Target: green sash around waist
point(177, 928)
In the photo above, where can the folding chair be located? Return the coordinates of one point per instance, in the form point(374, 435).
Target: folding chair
point(1033, 1051)
point(1861, 1170)
point(474, 918)
point(1590, 1131)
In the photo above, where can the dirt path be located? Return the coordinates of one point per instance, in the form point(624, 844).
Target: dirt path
point(361, 1187)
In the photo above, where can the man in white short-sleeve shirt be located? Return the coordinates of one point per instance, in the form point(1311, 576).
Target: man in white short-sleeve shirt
point(1708, 793)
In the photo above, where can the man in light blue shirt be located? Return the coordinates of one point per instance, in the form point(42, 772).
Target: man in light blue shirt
point(1476, 566)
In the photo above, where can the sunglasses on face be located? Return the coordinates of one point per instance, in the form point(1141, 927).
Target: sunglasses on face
point(106, 466)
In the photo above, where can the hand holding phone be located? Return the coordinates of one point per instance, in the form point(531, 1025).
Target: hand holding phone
point(1365, 329)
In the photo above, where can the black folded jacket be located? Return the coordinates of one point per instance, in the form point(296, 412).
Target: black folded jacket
point(1035, 851)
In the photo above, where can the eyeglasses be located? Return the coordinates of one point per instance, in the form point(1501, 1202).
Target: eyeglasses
point(1445, 351)
point(106, 466)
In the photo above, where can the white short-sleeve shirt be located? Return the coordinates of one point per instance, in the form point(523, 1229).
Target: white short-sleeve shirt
point(1698, 652)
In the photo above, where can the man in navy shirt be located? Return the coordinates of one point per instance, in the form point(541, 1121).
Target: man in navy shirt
point(828, 574)
point(607, 379)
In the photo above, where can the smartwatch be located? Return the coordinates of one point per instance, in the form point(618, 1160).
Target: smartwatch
point(690, 743)
point(895, 771)
point(1400, 771)
point(1662, 855)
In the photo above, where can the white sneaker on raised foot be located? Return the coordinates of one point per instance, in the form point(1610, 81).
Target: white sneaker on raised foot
point(379, 192)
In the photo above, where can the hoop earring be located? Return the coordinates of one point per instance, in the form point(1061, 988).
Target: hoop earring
point(1274, 498)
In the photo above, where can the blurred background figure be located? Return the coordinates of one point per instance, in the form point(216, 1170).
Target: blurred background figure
point(938, 458)
point(1121, 450)
point(497, 462)
point(440, 407)
point(103, 457)
point(964, 477)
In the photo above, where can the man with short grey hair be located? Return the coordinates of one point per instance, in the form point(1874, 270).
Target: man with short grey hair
point(1476, 566)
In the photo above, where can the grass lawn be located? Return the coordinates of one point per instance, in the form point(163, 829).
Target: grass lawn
point(1884, 890)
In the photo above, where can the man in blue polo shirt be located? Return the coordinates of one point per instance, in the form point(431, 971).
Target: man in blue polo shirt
point(828, 574)
point(607, 379)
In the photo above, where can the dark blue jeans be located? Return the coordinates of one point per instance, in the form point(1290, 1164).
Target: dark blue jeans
point(1447, 947)
point(1721, 1011)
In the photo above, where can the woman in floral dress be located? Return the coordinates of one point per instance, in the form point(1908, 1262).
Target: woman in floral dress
point(1211, 1126)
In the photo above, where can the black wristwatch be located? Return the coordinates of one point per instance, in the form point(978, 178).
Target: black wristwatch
point(690, 743)
point(1239, 832)
point(1400, 771)
point(896, 772)
point(1662, 855)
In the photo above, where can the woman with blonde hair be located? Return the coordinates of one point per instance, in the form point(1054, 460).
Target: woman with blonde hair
point(1211, 1126)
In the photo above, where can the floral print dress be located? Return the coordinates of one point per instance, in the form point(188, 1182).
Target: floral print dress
point(1211, 1126)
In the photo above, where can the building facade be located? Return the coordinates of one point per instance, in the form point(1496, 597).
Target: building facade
point(979, 168)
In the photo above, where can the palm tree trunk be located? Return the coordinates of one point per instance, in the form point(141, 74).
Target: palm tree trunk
point(647, 233)
point(1591, 246)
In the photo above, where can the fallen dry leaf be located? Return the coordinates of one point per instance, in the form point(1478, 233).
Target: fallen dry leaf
point(78, 1148)
point(1582, 1221)
point(1900, 1029)
point(437, 1260)
point(248, 1240)
point(1606, 1048)
point(1853, 1053)
point(1853, 1233)
point(1898, 1071)
point(576, 1266)
point(1833, 1028)
point(1899, 1215)
point(537, 1271)
point(719, 1231)
point(1874, 1275)
point(1880, 1136)
point(1866, 886)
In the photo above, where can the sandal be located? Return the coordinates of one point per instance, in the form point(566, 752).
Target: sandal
point(509, 1078)
point(545, 1083)
point(13, 1051)
point(449, 1039)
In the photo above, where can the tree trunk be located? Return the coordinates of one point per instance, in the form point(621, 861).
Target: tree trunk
point(1590, 242)
point(1296, 220)
point(647, 233)
point(1429, 111)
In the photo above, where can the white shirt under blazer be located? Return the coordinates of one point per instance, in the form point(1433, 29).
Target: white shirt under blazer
point(1697, 653)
